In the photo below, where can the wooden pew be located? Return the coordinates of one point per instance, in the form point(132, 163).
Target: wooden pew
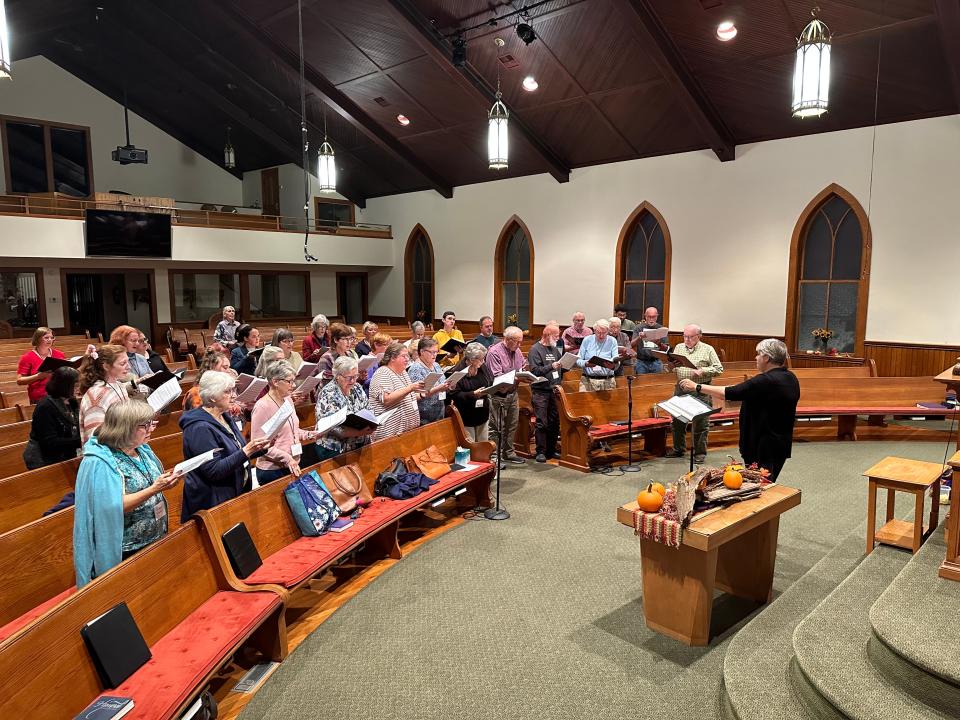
point(191, 613)
point(25, 497)
point(290, 560)
point(9, 416)
point(10, 399)
point(36, 564)
point(15, 432)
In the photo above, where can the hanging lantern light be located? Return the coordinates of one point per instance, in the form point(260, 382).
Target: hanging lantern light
point(229, 156)
point(326, 167)
point(811, 73)
point(6, 59)
point(497, 150)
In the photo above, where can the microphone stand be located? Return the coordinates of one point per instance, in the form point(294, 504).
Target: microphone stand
point(497, 512)
point(630, 467)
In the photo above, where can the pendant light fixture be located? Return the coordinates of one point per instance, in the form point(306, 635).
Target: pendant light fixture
point(305, 143)
point(229, 156)
point(498, 119)
point(6, 58)
point(811, 73)
point(326, 163)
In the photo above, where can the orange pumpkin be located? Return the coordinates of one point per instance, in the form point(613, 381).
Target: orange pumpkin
point(649, 500)
point(732, 478)
point(659, 488)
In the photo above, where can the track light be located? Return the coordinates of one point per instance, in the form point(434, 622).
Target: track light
point(459, 51)
point(526, 33)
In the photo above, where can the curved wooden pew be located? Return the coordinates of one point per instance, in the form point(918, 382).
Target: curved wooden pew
point(290, 560)
point(193, 616)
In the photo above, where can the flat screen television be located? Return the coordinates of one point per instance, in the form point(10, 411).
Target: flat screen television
point(115, 233)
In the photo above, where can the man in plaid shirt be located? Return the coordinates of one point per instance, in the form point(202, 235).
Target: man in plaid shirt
point(708, 367)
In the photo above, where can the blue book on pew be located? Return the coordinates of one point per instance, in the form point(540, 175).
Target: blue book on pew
point(340, 524)
point(107, 707)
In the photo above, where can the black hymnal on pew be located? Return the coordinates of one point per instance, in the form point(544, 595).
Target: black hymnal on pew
point(243, 554)
point(116, 645)
point(453, 346)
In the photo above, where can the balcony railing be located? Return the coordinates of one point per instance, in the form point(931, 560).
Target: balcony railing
point(189, 214)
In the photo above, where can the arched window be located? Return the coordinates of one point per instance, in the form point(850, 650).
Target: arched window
point(418, 276)
point(643, 264)
point(829, 274)
point(513, 283)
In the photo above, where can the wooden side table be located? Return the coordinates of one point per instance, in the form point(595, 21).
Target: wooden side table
point(950, 567)
point(894, 475)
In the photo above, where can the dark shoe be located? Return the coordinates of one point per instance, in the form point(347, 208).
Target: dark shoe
point(494, 459)
point(699, 458)
point(675, 453)
point(541, 458)
point(605, 448)
point(516, 460)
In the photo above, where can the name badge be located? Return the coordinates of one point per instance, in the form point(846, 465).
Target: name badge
point(159, 510)
point(296, 449)
point(479, 403)
point(442, 395)
point(555, 374)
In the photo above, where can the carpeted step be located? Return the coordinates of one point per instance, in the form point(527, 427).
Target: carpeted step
point(834, 654)
point(915, 616)
point(756, 668)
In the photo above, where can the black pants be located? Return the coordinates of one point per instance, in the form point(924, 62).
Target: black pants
point(548, 422)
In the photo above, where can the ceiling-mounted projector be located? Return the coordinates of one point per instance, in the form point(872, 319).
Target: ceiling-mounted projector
point(127, 154)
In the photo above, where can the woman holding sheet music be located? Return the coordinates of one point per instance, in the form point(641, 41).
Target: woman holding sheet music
point(430, 402)
point(474, 409)
point(283, 456)
point(120, 507)
point(341, 337)
point(102, 384)
point(344, 392)
point(28, 368)
point(391, 387)
point(211, 427)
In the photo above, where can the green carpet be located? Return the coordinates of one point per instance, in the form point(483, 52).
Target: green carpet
point(541, 616)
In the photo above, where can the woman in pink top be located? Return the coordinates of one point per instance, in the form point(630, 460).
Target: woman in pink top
point(102, 384)
point(28, 369)
point(283, 456)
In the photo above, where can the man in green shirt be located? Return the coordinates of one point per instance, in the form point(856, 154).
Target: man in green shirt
point(626, 324)
point(707, 367)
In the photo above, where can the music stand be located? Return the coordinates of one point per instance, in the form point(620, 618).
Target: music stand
point(496, 512)
point(686, 409)
point(630, 467)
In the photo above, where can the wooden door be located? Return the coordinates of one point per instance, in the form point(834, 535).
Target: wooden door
point(270, 191)
point(352, 296)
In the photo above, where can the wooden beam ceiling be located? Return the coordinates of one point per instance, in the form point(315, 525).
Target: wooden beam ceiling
point(434, 45)
point(948, 16)
point(662, 50)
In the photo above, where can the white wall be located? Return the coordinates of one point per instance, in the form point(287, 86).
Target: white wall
point(42, 90)
point(291, 192)
point(730, 224)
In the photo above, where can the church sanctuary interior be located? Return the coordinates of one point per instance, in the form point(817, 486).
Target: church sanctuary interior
point(469, 359)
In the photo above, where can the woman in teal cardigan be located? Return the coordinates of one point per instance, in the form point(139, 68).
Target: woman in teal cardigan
point(120, 507)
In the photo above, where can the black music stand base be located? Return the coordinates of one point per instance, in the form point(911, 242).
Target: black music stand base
point(630, 467)
point(496, 512)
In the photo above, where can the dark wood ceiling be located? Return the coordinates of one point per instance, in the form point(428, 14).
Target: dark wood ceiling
point(619, 79)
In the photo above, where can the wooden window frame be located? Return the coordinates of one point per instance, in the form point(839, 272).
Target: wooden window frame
point(155, 335)
point(318, 201)
point(498, 275)
point(620, 270)
point(791, 329)
point(243, 308)
point(48, 149)
point(408, 278)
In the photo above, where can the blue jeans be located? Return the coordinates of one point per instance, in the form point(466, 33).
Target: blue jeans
point(643, 367)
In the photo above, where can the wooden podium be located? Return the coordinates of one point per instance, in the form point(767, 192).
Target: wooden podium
point(733, 549)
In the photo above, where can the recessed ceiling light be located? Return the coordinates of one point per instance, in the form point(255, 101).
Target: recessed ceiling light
point(726, 30)
point(530, 83)
point(403, 120)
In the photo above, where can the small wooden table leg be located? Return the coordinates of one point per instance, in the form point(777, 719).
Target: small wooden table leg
point(891, 503)
point(934, 505)
point(918, 520)
point(871, 515)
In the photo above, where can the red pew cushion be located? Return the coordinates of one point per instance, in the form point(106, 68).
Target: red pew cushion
point(610, 430)
point(306, 556)
point(186, 654)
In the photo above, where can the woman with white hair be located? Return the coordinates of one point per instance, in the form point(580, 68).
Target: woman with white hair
point(344, 392)
point(270, 354)
point(212, 427)
point(225, 334)
point(316, 343)
point(283, 457)
point(474, 409)
point(417, 330)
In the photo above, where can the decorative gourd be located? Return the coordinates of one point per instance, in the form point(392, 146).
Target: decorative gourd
point(732, 478)
point(659, 488)
point(649, 500)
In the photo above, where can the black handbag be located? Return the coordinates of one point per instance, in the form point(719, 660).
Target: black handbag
point(398, 483)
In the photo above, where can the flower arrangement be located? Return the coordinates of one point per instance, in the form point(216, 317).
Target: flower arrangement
point(822, 334)
point(512, 319)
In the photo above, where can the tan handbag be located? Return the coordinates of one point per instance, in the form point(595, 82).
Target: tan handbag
point(431, 462)
point(347, 488)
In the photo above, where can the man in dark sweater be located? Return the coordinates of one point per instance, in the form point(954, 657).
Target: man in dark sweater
point(486, 336)
point(769, 407)
point(645, 362)
point(544, 361)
